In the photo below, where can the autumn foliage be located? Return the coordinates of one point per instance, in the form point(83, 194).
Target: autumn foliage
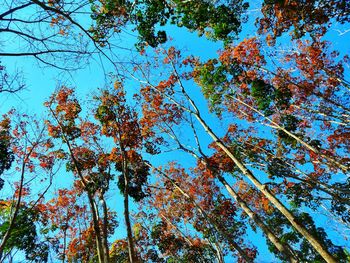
point(182, 157)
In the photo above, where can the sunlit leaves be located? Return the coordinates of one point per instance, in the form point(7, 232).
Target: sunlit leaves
point(24, 236)
point(218, 21)
point(311, 16)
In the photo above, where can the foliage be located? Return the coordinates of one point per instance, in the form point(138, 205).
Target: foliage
point(6, 155)
point(207, 150)
point(289, 235)
point(218, 21)
point(25, 236)
point(303, 16)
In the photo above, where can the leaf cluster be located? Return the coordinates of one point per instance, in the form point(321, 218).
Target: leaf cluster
point(288, 235)
point(24, 235)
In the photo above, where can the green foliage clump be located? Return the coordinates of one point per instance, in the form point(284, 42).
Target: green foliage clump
point(263, 94)
point(6, 155)
point(138, 175)
point(267, 97)
point(213, 78)
point(290, 123)
point(24, 235)
point(288, 235)
point(216, 21)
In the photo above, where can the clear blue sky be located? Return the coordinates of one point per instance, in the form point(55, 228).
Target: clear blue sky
point(41, 82)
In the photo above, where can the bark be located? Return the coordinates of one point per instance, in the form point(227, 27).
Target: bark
point(105, 229)
point(64, 243)
point(194, 111)
point(219, 253)
point(285, 249)
point(271, 197)
point(131, 246)
point(97, 229)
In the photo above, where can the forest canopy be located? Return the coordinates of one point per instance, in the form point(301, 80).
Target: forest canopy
point(174, 131)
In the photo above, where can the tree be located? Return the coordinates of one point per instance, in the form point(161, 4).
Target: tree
point(63, 215)
point(275, 103)
point(213, 215)
point(91, 170)
point(28, 153)
point(55, 34)
point(172, 57)
point(313, 17)
point(25, 236)
point(48, 32)
point(209, 167)
point(120, 122)
point(7, 156)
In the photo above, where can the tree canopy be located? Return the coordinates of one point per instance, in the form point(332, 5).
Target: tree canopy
point(175, 131)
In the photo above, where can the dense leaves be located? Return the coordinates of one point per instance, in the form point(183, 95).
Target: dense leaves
point(214, 153)
point(306, 253)
point(6, 155)
point(302, 16)
point(25, 235)
point(218, 21)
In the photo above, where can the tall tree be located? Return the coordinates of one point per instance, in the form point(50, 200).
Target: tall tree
point(85, 159)
point(120, 122)
point(172, 57)
point(28, 155)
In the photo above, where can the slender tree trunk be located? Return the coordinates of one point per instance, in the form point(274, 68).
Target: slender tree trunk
point(272, 198)
point(64, 241)
point(219, 253)
point(315, 243)
point(285, 249)
point(131, 246)
point(94, 212)
point(17, 205)
point(105, 229)
point(97, 229)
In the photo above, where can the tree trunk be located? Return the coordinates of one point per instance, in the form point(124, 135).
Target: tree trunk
point(95, 217)
point(105, 229)
point(96, 225)
point(285, 249)
point(131, 247)
point(316, 244)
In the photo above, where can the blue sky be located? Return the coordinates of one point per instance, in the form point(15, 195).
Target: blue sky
point(42, 81)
